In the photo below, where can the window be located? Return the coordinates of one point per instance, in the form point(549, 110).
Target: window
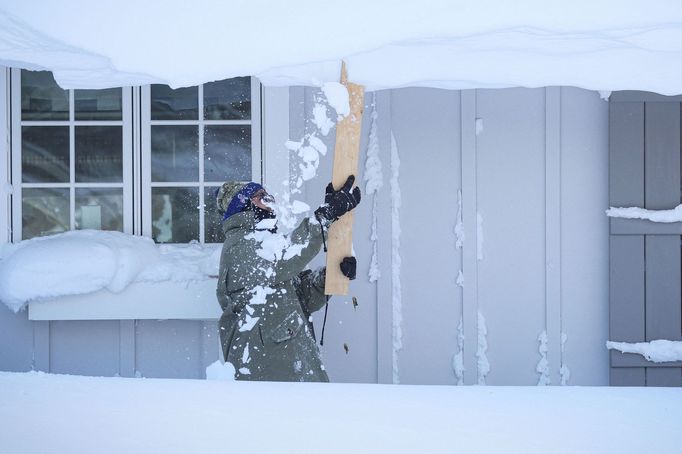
point(142, 160)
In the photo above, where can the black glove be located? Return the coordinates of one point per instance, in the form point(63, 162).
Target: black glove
point(338, 203)
point(348, 267)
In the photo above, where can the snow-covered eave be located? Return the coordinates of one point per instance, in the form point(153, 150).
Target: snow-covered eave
point(441, 44)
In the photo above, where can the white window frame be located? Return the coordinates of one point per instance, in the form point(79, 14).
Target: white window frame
point(147, 123)
point(5, 160)
point(15, 133)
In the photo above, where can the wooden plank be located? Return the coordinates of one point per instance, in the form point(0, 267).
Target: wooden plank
point(663, 288)
point(346, 154)
point(626, 284)
point(661, 156)
point(553, 230)
point(656, 376)
point(626, 154)
point(642, 96)
point(621, 226)
point(469, 249)
point(628, 376)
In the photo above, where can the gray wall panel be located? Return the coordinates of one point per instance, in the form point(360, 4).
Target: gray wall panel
point(584, 235)
point(511, 202)
point(84, 348)
point(628, 376)
point(425, 123)
point(663, 292)
point(661, 156)
point(169, 349)
point(626, 154)
point(16, 341)
point(627, 289)
point(659, 376)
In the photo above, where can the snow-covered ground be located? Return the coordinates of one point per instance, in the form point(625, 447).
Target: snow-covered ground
point(607, 45)
point(41, 413)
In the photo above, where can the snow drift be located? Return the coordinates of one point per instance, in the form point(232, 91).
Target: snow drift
point(439, 43)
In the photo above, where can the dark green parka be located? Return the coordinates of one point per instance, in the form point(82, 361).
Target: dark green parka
point(267, 299)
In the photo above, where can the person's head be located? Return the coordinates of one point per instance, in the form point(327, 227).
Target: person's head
point(233, 197)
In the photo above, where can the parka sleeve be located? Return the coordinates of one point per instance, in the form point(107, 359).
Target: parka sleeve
point(221, 288)
point(310, 289)
point(254, 270)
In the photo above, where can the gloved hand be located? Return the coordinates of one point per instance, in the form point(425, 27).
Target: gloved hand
point(338, 203)
point(348, 267)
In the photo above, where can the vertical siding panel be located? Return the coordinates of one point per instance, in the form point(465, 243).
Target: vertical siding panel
point(628, 376)
point(469, 209)
point(663, 376)
point(553, 230)
point(208, 333)
point(41, 346)
point(85, 347)
point(126, 352)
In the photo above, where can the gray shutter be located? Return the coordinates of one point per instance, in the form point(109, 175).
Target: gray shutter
point(645, 263)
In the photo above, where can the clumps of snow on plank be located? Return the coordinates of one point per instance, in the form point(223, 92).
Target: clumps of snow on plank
point(657, 351)
point(483, 365)
point(542, 367)
point(663, 216)
point(458, 358)
point(86, 261)
point(564, 371)
point(374, 181)
point(220, 371)
point(337, 97)
point(397, 309)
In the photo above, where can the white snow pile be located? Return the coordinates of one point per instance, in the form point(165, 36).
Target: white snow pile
point(601, 46)
point(42, 413)
point(658, 351)
point(85, 261)
point(220, 371)
point(665, 216)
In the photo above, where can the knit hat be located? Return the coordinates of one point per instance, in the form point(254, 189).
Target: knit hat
point(232, 197)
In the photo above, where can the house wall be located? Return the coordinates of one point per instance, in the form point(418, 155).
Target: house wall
point(536, 172)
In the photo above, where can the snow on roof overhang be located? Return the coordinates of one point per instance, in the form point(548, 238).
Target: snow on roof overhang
point(607, 45)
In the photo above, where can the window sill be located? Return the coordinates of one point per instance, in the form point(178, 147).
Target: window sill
point(155, 301)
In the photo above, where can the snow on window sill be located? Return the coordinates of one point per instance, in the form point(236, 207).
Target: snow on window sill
point(141, 300)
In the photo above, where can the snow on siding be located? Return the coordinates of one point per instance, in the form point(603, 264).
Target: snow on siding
point(664, 216)
point(564, 371)
point(483, 366)
point(657, 351)
point(395, 258)
point(543, 365)
point(374, 181)
point(458, 358)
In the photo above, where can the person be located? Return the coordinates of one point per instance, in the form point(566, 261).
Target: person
point(263, 289)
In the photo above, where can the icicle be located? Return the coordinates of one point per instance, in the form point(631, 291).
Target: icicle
point(542, 367)
point(395, 258)
point(375, 180)
point(482, 363)
point(564, 371)
point(460, 279)
point(458, 358)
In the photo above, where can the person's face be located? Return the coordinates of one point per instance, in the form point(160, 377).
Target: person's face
point(263, 200)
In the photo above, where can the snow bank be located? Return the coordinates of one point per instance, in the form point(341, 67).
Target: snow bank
point(665, 216)
point(85, 261)
point(43, 413)
point(439, 43)
point(658, 351)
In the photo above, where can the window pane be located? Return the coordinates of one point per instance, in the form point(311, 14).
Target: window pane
point(44, 212)
point(45, 154)
point(42, 98)
point(180, 104)
point(99, 209)
point(228, 99)
point(99, 154)
point(213, 230)
point(175, 153)
point(98, 104)
point(227, 153)
point(175, 215)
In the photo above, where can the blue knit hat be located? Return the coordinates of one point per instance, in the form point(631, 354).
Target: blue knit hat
point(239, 200)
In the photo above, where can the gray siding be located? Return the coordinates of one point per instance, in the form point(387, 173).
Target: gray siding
point(536, 172)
